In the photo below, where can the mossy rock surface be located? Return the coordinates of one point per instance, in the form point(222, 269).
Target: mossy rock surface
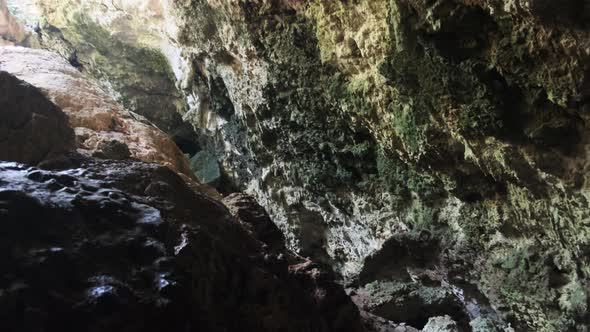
point(353, 122)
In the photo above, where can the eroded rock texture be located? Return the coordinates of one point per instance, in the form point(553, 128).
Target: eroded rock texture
point(136, 76)
point(12, 30)
point(32, 128)
point(95, 245)
point(122, 245)
point(444, 140)
point(102, 126)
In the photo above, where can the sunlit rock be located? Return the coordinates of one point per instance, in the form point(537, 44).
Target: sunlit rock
point(96, 118)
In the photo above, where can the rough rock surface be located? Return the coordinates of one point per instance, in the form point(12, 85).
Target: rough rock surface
point(32, 128)
point(93, 245)
point(12, 30)
point(122, 245)
point(205, 167)
point(255, 219)
point(136, 76)
point(102, 126)
point(441, 324)
point(368, 126)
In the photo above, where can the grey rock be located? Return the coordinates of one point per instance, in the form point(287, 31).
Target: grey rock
point(205, 166)
point(356, 121)
point(482, 324)
point(255, 219)
point(441, 324)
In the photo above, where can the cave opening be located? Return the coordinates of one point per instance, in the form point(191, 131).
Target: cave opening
point(297, 166)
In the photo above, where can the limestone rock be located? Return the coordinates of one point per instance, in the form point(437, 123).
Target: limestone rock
point(481, 324)
point(313, 279)
point(411, 303)
point(92, 245)
point(355, 122)
point(114, 150)
point(375, 323)
point(205, 167)
point(32, 128)
point(441, 324)
point(255, 219)
point(121, 57)
point(12, 31)
point(96, 118)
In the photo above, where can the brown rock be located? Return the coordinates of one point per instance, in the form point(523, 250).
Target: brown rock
point(96, 118)
point(31, 127)
point(11, 31)
point(113, 150)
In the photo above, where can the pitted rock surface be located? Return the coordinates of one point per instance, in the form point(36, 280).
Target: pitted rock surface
point(363, 125)
point(441, 324)
point(93, 245)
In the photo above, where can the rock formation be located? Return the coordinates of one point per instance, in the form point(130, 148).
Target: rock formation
point(432, 153)
point(127, 246)
point(100, 123)
point(122, 245)
point(12, 31)
point(31, 127)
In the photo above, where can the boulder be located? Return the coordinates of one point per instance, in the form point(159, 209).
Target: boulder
point(99, 245)
point(255, 219)
point(96, 117)
point(32, 128)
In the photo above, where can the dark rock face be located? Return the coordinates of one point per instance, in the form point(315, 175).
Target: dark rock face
point(323, 287)
point(31, 127)
point(254, 218)
point(362, 125)
point(114, 150)
point(91, 245)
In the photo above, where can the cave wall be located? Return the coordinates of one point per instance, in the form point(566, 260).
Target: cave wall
point(363, 126)
point(122, 50)
point(115, 237)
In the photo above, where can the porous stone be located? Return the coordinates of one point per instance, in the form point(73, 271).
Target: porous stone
point(441, 324)
point(255, 219)
point(355, 122)
point(98, 245)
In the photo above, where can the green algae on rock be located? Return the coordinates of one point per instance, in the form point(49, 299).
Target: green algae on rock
point(355, 122)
